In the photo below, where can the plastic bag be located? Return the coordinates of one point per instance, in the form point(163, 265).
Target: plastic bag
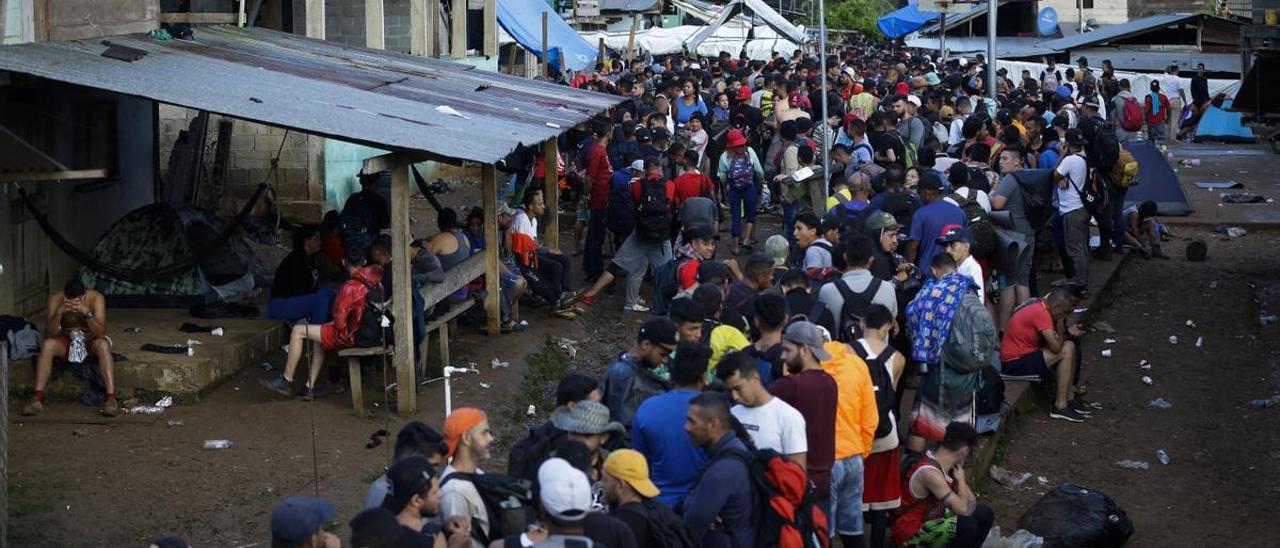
point(1019, 539)
point(1071, 516)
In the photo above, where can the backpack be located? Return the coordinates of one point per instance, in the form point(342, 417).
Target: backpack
point(508, 504)
point(1131, 118)
point(620, 212)
point(666, 528)
point(653, 213)
point(837, 263)
point(1124, 173)
point(1091, 191)
point(376, 321)
point(972, 337)
point(528, 453)
point(979, 223)
point(990, 397)
point(741, 173)
point(785, 513)
point(665, 286)
point(854, 307)
point(1037, 194)
point(883, 386)
point(1104, 151)
point(978, 179)
point(355, 221)
point(940, 132)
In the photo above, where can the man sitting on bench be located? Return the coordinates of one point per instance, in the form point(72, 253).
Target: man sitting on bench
point(348, 311)
point(75, 328)
point(1035, 342)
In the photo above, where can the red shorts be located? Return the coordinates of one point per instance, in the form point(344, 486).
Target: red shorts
point(88, 344)
point(881, 481)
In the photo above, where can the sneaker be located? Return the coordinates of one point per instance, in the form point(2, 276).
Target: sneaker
point(33, 408)
point(111, 408)
point(636, 307)
point(279, 385)
point(1067, 414)
point(568, 298)
point(306, 393)
point(1081, 407)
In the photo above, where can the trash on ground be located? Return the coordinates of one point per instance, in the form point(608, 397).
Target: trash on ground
point(1043, 480)
point(532, 411)
point(173, 422)
point(1147, 380)
point(218, 444)
point(498, 364)
point(80, 432)
point(193, 342)
point(1189, 162)
point(1242, 198)
point(390, 387)
point(1019, 539)
point(1191, 323)
point(1134, 464)
point(156, 409)
point(1162, 456)
point(1217, 185)
point(1160, 403)
point(1106, 353)
point(568, 345)
point(1213, 284)
point(217, 332)
point(1173, 339)
point(266, 366)
point(485, 385)
point(1266, 402)
point(1104, 327)
point(1268, 319)
point(1144, 365)
point(1008, 479)
point(1199, 342)
point(133, 330)
point(446, 109)
point(1109, 341)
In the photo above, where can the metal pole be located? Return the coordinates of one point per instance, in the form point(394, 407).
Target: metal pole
point(826, 127)
point(942, 36)
point(992, 5)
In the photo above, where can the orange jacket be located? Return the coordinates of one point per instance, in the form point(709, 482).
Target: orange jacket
point(856, 413)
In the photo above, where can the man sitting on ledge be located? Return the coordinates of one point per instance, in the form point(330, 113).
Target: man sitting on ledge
point(76, 328)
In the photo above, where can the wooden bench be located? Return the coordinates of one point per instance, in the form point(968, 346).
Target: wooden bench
point(440, 323)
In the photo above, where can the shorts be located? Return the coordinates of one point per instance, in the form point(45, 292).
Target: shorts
point(935, 533)
point(1030, 368)
point(88, 344)
point(846, 497)
point(584, 214)
point(881, 481)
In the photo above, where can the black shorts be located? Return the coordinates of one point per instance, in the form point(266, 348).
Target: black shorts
point(1028, 368)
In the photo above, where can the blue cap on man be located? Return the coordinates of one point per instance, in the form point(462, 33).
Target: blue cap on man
point(299, 518)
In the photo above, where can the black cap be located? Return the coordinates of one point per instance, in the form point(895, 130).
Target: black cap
point(699, 232)
point(658, 330)
point(407, 477)
point(1075, 137)
point(788, 130)
point(710, 271)
point(643, 135)
point(683, 310)
point(929, 181)
point(829, 222)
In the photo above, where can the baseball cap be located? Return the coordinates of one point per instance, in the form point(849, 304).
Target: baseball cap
point(637, 165)
point(644, 135)
point(587, 417)
point(683, 309)
point(744, 94)
point(809, 335)
point(1091, 101)
point(631, 467)
point(458, 423)
point(407, 477)
point(298, 518)
point(955, 233)
point(1075, 137)
point(699, 232)
point(658, 330)
point(929, 181)
point(564, 491)
point(913, 100)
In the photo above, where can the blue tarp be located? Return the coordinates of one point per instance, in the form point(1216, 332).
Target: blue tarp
point(904, 21)
point(522, 19)
point(1218, 125)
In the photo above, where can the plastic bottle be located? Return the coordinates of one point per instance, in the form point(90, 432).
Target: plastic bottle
point(1163, 456)
point(1133, 464)
point(218, 444)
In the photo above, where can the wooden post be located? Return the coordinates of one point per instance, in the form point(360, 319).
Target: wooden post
point(631, 39)
point(489, 192)
point(420, 27)
point(401, 299)
point(546, 74)
point(490, 46)
point(4, 441)
point(433, 29)
point(374, 24)
point(600, 52)
point(314, 28)
point(511, 59)
point(315, 19)
point(458, 29)
point(550, 153)
point(240, 14)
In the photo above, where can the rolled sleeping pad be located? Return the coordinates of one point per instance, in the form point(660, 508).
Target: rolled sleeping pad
point(1002, 218)
point(1012, 249)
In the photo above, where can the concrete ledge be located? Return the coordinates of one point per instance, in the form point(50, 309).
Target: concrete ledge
point(244, 343)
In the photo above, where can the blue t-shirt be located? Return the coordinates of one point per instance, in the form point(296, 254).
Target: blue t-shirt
point(926, 227)
point(657, 431)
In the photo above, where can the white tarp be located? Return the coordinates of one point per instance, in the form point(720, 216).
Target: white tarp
point(662, 41)
point(771, 18)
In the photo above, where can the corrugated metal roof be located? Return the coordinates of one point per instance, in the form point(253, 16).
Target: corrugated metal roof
point(372, 97)
point(1116, 32)
point(956, 20)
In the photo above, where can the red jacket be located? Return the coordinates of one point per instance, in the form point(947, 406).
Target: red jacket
point(598, 174)
point(349, 308)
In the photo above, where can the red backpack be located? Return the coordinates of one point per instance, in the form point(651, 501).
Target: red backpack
point(786, 513)
point(1131, 118)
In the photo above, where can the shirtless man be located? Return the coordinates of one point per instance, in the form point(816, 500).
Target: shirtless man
point(76, 328)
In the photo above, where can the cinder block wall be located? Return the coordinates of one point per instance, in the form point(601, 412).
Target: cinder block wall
point(344, 22)
point(1106, 12)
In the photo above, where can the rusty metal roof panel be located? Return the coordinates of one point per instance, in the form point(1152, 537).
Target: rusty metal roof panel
point(373, 97)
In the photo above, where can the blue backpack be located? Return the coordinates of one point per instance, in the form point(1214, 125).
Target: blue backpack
point(620, 211)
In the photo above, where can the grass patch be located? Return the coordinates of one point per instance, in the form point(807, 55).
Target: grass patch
point(543, 370)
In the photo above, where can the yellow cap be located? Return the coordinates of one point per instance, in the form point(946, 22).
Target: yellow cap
point(630, 466)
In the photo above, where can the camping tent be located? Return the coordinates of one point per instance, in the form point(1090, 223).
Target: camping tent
point(522, 19)
point(1157, 181)
point(902, 22)
point(762, 10)
point(158, 235)
point(1220, 126)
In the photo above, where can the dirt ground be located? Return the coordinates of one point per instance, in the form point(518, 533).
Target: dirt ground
point(1225, 454)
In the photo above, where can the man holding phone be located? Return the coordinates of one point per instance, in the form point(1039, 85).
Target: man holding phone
point(1037, 343)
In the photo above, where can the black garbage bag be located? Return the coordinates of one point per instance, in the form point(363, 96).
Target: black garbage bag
point(1071, 516)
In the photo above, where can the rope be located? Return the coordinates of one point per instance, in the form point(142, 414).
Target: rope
point(137, 275)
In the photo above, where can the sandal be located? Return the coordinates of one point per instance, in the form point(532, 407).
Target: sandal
point(565, 314)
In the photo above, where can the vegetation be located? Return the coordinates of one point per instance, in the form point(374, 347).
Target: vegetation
point(859, 15)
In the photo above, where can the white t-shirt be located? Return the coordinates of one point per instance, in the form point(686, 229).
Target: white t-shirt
point(1171, 86)
point(982, 198)
point(460, 498)
point(1075, 169)
point(890, 440)
point(698, 142)
point(524, 224)
point(775, 425)
point(969, 267)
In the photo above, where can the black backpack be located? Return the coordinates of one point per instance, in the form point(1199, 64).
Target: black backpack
point(990, 398)
point(1092, 190)
point(620, 211)
point(1037, 187)
point(883, 386)
point(653, 213)
point(854, 307)
point(979, 223)
point(371, 332)
point(528, 453)
point(508, 503)
point(665, 527)
point(978, 179)
point(355, 223)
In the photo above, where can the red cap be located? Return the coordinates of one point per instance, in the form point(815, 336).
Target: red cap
point(744, 94)
point(735, 139)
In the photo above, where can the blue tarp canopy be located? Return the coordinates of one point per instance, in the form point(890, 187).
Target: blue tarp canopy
point(522, 19)
point(904, 21)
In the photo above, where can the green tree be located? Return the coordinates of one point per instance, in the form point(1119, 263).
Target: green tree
point(859, 15)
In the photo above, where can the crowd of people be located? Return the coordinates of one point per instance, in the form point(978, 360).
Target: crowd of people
point(762, 400)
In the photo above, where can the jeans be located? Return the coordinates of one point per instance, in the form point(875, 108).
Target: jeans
point(316, 308)
point(1075, 228)
point(971, 530)
point(1116, 210)
point(789, 212)
point(845, 517)
point(742, 203)
point(592, 259)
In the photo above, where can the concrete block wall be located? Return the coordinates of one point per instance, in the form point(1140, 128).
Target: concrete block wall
point(1106, 12)
point(344, 22)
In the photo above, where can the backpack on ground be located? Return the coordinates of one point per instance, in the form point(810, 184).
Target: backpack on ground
point(1131, 118)
point(667, 528)
point(376, 321)
point(653, 213)
point(785, 514)
point(990, 397)
point(972, 337)
point(620, 211)
point(1125, 173)
point(1071, 515)
point(508, 504)
point(854, 308)
point(882, 385)
point(979, 223)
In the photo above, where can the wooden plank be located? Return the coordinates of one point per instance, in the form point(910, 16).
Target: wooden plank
point(433, 29)
point(374, 25)
point(490, 47)
point(357, 385)
point(545, 70)
point(551, 194)
point(454, 311)
point(631, 38)
point(420, 27)
point(40, 19)
point(315, 19)
point(489, 192)
point(67, 175)
point(401, 300)
point(358, 351)
point(458, 30)
point(454, 279)
point(209, 18)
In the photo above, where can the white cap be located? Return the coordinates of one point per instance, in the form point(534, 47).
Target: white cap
point(638, 165)
point(914, 100)
point(695, 66)
point(565, 492)
point(964, 62)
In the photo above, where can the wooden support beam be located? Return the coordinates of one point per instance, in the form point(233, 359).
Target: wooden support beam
point(490, 47)
point(374, 25)
point(401, 298)
point(315, 19)
point(458, 30)
point(545, 70)
point(631, 38)
point(40, 176)
point(420, 28)
point(600, 52)
point(434, 24)
point(551, 194)
point(489, 194)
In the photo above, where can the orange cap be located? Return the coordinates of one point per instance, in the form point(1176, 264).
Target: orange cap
point(457, 424)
